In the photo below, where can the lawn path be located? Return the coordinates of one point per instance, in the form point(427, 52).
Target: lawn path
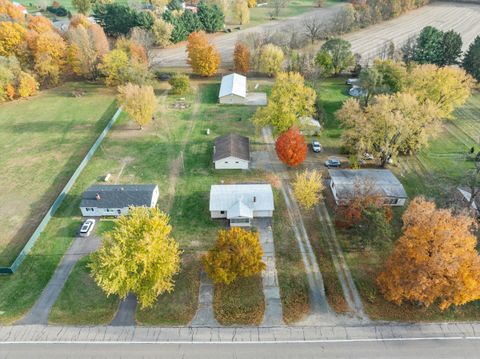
point(320, 308)
point(273, 315)
point(204, 316)
point(79, 248)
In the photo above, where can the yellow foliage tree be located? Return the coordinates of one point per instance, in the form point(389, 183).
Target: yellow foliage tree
point(241, 11)
point(12, 35)
point(446, 87)
point(27, 85)
point(138, 102)
point(203, 57)
point(8, 11)
point(271, 59)
point(252, 3)
point(307, 188)
point(49, 53)
point(39, 24)
point(435, 260)
point(138, 256)
point(237, 253)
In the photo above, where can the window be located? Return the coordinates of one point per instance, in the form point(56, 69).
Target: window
point(390, 201)
point(222, 212)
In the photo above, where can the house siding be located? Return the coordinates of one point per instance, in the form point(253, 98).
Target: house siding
point(103, 212)
point(231, 163)
point(232, 100)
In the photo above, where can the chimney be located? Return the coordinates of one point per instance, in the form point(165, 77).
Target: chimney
point(97, 197)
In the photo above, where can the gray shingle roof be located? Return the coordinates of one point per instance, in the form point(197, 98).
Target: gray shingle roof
point(232, 145)
point(118, 196)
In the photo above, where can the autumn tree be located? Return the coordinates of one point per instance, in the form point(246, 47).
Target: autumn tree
point(203, 57)
point(271, 59)
point(241, 58)
point(40, 24)
point(236, 253)
point(308, 187)
point(289, 101)
point(79, 19)
point(390, 125)
point(162, 32)
point(49, 53)
point(27, 85)
point(435, 260)
point(82, 6)
point(241, 11)
point(291, 147)
point(138, 102)
point(138, 256)
point(471, 60)
point(335, 56)
point(10, 12)
point(12, 35)
point(180, 84)
point(445, 87)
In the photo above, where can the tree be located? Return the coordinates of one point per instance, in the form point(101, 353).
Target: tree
point(241, 58)
point(162, 32)
point(429, 46)
point(394, 74)
point(179, 30)
point(138, 256)
point(471, 61)
point(82, 6)
point(446, 87)
point(10, 12)
point(12, 35)
point(27, 85)
point(308, 187)
point(241, 11)
point(78, 19)
point(390, 125)
point(191, 21)
point(335, 56)
point(117, 19)
point(203, 57)
point(435, 259)
point(211, 17)
point(180, 84)
point(451, 48)
point(252, 3)
point(49, 54)
point(40, 24)
point(277, 6)
point(271, 59)
point(86, 48)
point(291, 147)
point(289, 101)
point(313, 28)
point(237, 253)
point(139, 102)
point(371, 81)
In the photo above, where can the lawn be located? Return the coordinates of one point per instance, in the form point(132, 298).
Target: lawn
point(43, 140)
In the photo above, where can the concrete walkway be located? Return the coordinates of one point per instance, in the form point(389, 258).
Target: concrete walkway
point(273, 305)
point(79, 248)
point(126, 312)
point(204, 316)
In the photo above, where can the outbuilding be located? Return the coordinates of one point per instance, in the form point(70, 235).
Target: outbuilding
point(346, 184)
point(115, 200)
point(231, 152)
point(233, 89)
point(241, 203)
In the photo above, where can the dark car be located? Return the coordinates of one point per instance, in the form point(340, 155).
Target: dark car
point(332, 163)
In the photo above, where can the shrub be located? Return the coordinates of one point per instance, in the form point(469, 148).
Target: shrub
point(180, 84)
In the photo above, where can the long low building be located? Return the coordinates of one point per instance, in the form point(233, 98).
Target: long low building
point(241, 203)
point(115, 200)
point(346, 184)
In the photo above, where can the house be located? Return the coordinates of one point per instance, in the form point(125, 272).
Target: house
point(241, 203)
point(115, 200)
point(231, 152)
point(233, 91)
point(345, 183)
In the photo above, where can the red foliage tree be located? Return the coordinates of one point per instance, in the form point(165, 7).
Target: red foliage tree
point(291, 147)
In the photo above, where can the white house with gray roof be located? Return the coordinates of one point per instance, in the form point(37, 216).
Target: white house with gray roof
point(115, 200)
point(231, 152)
point(345, 184)
point(241, 203)
point(233, 91)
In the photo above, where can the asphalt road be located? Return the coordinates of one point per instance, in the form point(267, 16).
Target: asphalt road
point(421, 349)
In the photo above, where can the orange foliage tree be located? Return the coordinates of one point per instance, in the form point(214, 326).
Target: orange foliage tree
point(241, 58)
point(8, 11)
point(435, 260)
point(203, 57)
point(39, 24)
point(291, 147)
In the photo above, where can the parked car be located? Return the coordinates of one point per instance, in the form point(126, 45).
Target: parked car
point(87, 227)
point(332, 163)
point(352, 81)
point(316, 146)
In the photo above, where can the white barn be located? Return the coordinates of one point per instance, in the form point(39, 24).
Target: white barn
point(346, 183)
point(115, 200)
point(233, 89)
point(241, 203)
point(231, 152)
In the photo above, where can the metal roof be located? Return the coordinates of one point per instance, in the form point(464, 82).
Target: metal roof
point(233, 84)
point(239, 197)
point(232, 145)
point(118, 196)
point(382, 181)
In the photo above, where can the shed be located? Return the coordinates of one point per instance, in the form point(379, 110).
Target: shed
point(231, 152)
point(345, 183)
point(241, 203)
point(233, 89)
point(115, 200)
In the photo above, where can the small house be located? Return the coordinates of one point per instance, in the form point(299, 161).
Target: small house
point(241, 203)
point(345, 185)
point(231, 152)
point(115, 200)
point(233, 89)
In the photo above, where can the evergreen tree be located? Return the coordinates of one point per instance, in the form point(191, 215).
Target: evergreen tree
point(451, 48)
point(429, 46)
point(471, 61)
point(211, 17)
point(191, 22)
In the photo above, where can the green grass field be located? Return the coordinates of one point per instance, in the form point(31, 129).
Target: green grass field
point(43, 140)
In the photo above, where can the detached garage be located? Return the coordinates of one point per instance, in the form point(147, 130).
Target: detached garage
point(231, 152)
point(233, 89)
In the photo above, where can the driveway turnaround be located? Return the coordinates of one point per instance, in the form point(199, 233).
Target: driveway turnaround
point(79, 248)
point(273, 304)
point(204, 316)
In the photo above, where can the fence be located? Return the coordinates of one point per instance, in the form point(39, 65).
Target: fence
point(58, 201)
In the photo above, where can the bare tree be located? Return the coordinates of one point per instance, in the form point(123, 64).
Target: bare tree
point(313, 28)
point(144, 38)
point(473, 182)
point(277, 6)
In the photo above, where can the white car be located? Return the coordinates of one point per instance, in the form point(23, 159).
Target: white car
point(87, 227)
point(316, 147)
